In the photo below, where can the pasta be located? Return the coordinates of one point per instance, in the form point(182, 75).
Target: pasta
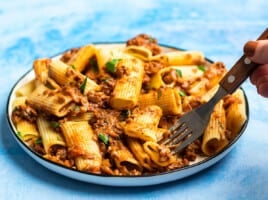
point(127, 87)
point(105, 109)
point(26, 89)
point(82, 145)
point(143, 123)
point(214, 138)
point(51, 101)
point(137, 148)
point(49, 136)
point(168, 100)
point(27, 130)
point(82, 57)
point(185, 58)
point(236, 114)
point(183, 73)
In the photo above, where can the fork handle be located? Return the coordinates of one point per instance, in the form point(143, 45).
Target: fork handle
point(240, 71)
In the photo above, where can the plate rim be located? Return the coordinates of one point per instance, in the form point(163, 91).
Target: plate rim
point(209, 161)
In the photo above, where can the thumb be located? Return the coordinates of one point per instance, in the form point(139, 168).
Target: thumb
point(257, 51)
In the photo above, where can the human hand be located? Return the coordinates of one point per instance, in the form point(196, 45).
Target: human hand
point(257, 51)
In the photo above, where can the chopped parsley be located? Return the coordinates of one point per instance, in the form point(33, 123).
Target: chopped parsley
point(125, 112)
point(94, 64)
point(202, 68)
point(19, 134)
point(159, 94)
point(38, 141)
point(104, 138)
point(83, 86)
point(54, 124)
point(72, 66)
point(151, 39)
point(111, 65)
point(179, 72)
point(182, 93)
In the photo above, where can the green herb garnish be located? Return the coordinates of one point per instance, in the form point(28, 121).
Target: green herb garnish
point(125, 113)
point(179, 72)
point(182, 93)
point(202, 68)
point(72, 66)
point(54, 124)
point(38, 141)
point(94, 64)
point(104, 138)
point(19, 134)
point(159, 94)
point(83, 86)
point(151, 39)
point(111, 65)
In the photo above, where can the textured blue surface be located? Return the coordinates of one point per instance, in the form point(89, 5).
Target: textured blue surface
point(32, 29)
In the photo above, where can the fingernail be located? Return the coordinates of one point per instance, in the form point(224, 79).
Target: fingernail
point(250, 47)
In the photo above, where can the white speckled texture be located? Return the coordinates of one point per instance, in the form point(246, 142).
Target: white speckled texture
point(32, 29)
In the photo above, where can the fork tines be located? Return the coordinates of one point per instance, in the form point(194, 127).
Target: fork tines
point(179, 132)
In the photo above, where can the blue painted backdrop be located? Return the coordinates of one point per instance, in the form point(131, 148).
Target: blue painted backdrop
point(32, 29)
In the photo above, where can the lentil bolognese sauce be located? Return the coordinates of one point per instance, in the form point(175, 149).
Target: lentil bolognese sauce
point(103, 110)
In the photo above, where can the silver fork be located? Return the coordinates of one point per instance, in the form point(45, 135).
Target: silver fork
point(192, 125)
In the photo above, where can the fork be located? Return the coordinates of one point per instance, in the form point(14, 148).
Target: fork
point(192, 125)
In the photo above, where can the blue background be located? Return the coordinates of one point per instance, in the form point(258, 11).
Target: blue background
point(33, 29)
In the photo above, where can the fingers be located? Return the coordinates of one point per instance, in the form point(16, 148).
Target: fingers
point(259, 78)
point(259, 72)
point(257, 51)
point(262, 88)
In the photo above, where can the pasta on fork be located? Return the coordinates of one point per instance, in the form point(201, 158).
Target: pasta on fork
point(104, 109)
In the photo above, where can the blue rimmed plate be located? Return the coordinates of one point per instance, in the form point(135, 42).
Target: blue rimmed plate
point(144, 180)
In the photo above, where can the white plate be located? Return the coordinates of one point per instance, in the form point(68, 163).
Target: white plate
point(143, 180)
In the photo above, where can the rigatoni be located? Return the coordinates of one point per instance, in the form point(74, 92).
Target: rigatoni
point(64, 75)
point(58, 71)
point(136, 148)
point(27, 130)
point(212, 76)
point(105, 55)
point(127, 88)
point(143, 123)
point(40, 67)
point(140, 52)
point(50, 101)
point(160, 155)
point(167, 99)
point(236, 113)
point(214, 138)
point(19, 101)
point(185, 58)
point(26, 89)
point(123, 158)
point(177, 74)
point(82, 145)
point(49, 136)
point(84, 116)
point(80, 60)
